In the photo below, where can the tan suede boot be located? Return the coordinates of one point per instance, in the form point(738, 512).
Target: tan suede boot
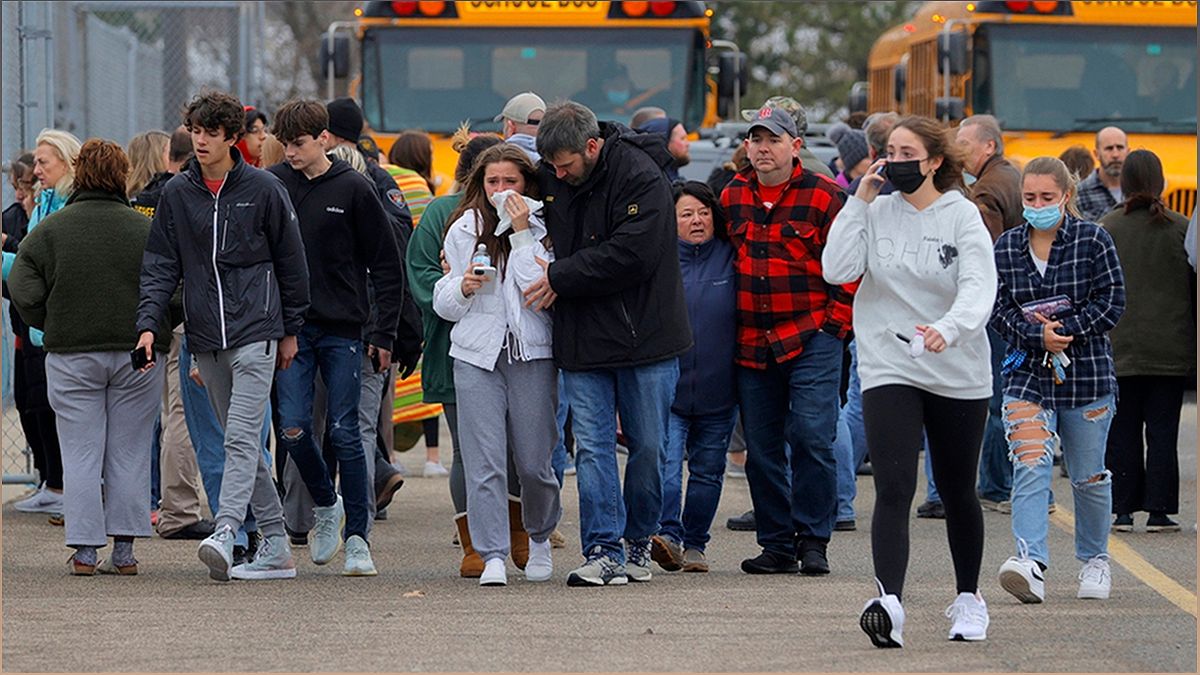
point(472, 564)
point(519, 539)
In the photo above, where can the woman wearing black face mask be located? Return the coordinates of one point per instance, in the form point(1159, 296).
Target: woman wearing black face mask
point(928, 283)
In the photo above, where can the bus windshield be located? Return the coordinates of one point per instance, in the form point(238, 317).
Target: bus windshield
point(433, 79)
point(1142, 79)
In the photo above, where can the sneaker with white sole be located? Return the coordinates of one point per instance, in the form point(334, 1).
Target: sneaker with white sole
point(434, 470)
point(1095, 579)
point(637, 561)
point(42, 501)
point(540, 566)
point(272, 560)
point(358, 559)
point(493, 573)
point(969, 617)
point(1022, 577)
point(882, 620)
point(598, 570)
point(326, 536)
point(217, 552)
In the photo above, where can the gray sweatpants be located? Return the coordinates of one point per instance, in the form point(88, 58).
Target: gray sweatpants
point(458, 477)
point(297, 502)
point(490, 421)
point(238, 383)
point(105, 412)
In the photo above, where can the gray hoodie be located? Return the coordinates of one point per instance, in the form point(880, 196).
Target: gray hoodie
point(528, 144)
point(934, 267)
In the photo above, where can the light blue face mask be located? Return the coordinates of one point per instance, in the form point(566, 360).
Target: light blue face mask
point(617, 97)
point(969, 178)
point(1044, 218)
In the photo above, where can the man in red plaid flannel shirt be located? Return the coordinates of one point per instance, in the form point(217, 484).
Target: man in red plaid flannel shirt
point(789, 354)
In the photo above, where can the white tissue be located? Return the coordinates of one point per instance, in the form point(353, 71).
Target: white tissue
point(498, 200)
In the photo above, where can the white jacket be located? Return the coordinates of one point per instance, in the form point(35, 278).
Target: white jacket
point(484, 319)
point(934, 267)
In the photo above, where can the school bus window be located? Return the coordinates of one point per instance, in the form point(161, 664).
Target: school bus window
point(518, 69)
point(435, 68)
point(1047, 78)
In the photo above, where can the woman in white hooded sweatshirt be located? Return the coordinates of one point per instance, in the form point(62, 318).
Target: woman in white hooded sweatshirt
point(928, 284)
point(502, 349)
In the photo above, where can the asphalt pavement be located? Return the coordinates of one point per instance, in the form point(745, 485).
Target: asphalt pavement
point(418, 615)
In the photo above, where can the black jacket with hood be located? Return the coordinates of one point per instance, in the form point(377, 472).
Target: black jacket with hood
point(347, 237)
point(238, 252)
point(616, 270)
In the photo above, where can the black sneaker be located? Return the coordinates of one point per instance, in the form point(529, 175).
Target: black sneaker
point(768, 562)
point(1159, 522)
point(742, 523)
point(845, 525)
point(381, 514)
point(864, 469)
point(813, 560)
point(198, 530)
point(253, 541)
point(931, 510)
point(1123, 522)
point(239, 555)
point(297, 538)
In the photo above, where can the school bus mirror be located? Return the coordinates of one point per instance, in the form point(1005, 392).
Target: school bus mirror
point(733, 73)
point(952, 47)
point(858, 97)
point(950, 109)
point(339, 60)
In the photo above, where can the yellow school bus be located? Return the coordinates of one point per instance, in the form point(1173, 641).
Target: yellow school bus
point(1053, 73)
point(430, 66)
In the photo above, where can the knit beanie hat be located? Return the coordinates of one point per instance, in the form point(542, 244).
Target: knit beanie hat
point(345, 118)
point(851, 144)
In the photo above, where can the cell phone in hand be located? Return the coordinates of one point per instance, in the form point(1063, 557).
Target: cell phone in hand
point(138, 358)
point(488, 274)
point(879, 171)
point(375, 363)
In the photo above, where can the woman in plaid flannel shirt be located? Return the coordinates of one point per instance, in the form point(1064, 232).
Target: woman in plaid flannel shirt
point(1061, 290)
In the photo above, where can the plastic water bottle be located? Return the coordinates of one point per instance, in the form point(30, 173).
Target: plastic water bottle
point(481, 256)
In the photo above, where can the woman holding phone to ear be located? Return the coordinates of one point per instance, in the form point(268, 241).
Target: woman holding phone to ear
point(76, 277)
point(501, 347)
point(928, 283)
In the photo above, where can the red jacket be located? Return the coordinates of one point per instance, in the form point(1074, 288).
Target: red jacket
point(781, 295)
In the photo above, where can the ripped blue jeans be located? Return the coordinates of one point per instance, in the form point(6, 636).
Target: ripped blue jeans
point(1032, 433)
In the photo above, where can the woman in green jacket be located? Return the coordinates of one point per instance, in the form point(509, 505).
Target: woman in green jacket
point(76, 278)
point(1154, 348)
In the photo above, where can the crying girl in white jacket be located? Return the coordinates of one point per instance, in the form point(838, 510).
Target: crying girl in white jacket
point(502, 351)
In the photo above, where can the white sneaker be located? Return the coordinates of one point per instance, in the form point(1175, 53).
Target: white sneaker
point(540, 565)
point(1095, 579)
point(493, 573)
point(358, 559)
point(969, 616)
point(42, 501)
point(1022, 577)
point(326, 536)
point(882, 620)
point(435, 470)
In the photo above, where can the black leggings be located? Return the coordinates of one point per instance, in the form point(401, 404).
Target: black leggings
point(895, 416)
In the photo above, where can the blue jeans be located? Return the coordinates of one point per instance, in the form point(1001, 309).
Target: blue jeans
point(931, 492)
point(559, 458)
point(703, 440)
point(850, 445)
point(339, 361)
point(794, 403)
point(995, 470)
point(1033, 432)
point(209, 439)
point(642, 395)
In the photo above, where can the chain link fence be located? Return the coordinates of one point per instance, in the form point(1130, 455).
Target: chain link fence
point(111, 70)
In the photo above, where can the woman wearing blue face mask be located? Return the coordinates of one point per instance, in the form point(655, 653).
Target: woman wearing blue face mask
point(1060, 291)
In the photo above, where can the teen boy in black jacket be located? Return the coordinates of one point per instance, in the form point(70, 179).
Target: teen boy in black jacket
point(348, 239)
point(229, 231)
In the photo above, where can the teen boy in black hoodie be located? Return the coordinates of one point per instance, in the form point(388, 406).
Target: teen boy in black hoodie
point(347, 238)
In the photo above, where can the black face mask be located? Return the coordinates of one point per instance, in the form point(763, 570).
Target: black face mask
point(906, 176)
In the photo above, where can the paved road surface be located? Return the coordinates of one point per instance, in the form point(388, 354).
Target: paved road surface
point(417, 615)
